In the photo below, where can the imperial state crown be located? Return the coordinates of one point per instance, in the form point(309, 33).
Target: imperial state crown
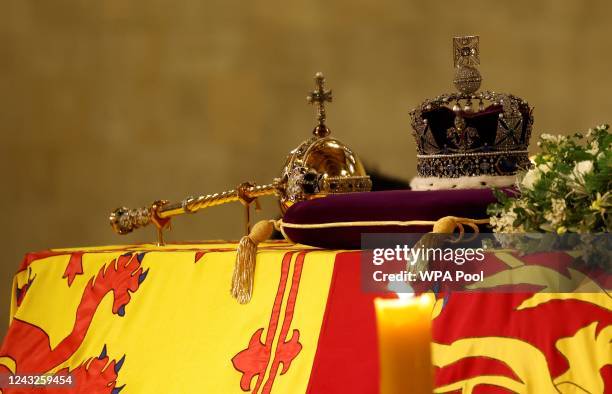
point(470, 139)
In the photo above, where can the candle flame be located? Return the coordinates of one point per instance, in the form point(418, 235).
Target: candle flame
point(403, 290)
point(405, 296)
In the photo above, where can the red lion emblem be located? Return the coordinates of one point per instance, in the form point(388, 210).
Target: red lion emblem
point(29, 346)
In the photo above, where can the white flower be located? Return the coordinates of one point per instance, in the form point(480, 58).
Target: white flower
point(582, 168)
point(590, 132)
point(594, 148)
point(553, 138)
point(547, 137)
point(556, 215)
point(576, 178)
point(504, 222)
point(530, 178)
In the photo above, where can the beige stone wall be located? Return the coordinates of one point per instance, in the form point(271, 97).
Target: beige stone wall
point(115, 102)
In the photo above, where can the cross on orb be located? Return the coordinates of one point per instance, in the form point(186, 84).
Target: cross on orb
point(318, 97)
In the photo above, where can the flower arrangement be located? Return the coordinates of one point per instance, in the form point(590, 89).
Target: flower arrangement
point(567, 190)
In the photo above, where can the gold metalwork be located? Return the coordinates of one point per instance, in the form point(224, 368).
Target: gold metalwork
point(125, 220)
point(319, 96)
point(466, 51)
point(160, 223)
point(246, 200)
point(319, 166)
point(466, 56)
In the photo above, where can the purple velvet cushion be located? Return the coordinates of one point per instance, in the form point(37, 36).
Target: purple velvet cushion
point(401, 205)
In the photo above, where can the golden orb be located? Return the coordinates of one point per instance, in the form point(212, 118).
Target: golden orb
point(320, 166)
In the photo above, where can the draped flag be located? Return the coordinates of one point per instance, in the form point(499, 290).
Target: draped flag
point(146, 319)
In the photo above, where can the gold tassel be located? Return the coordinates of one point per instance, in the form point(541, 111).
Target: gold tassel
point(244, 269)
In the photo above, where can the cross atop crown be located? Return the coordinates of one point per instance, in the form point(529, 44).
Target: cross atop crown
point(466, 56)
point(466, 51)
point(319, 96)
